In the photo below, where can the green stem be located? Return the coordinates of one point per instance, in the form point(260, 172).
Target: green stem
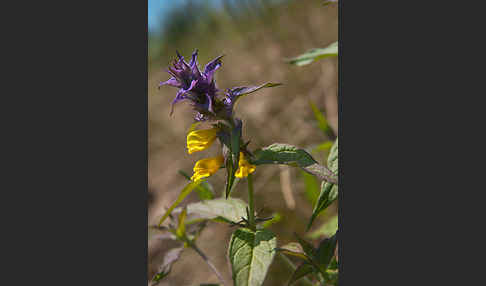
point(251, 204)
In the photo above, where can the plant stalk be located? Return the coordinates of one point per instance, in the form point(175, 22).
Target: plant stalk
point(208, 262)
point(251, 204)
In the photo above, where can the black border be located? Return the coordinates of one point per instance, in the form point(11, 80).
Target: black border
point(76, 185)
point(75, 142)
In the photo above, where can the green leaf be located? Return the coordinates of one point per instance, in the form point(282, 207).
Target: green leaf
point(184, 193)
point(315, 54)
point(181, 227)
point(301, 271)
point(276, 217)
point(204, 190)
point(169, 258)
point(323, 125)
point(230, 210)
point(329, 191)
point(307, 246)
point(332, 272)
point(333, 159)
point(327, 229)
point(293, 249)
point(333, 265)
point(325, 251)
point(251, 254)
point(233, 156)
point(290, 155)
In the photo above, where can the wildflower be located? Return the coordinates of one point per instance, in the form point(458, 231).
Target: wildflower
point(244, 167)
point(199, 140)
point(207, 167)
point(194, 85)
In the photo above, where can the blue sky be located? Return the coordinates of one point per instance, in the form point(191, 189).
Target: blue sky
point(157, 8)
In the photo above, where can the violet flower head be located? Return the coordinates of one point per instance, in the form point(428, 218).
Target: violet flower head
point(196, 86)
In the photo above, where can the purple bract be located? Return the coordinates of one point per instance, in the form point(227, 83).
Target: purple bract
point(194, 85)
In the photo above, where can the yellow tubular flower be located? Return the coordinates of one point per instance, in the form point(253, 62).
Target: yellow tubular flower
point(244, 167)
point(199, 140)
point(207, 167)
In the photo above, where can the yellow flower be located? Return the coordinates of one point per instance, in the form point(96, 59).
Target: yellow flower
point(244, 167)
point(199, 140)
point(207, 167)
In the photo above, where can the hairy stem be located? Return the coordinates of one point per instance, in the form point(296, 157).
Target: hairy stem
point(251, 204)
point(208, 262)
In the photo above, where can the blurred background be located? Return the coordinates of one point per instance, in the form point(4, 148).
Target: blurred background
point(256, 36)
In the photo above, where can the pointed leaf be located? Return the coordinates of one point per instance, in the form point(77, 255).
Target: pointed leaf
point(290, 155)
point(184, 193)
point(276, 217)
point(333, 265)
point(306, 246)
point(329, 193)
point(251, 254)
point(234, 157)
point(169, 258)
point(238, 92)
point(325, 251)
point(333, 159)
point(315, 54)
point(301, 271)
point(293, 249)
